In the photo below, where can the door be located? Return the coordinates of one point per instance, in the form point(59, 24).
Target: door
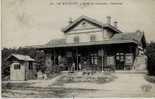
point(17, 72)
point(120, 61)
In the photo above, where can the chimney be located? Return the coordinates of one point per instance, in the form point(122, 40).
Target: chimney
point(70, 21)
point(115, 24)
point(108, 19)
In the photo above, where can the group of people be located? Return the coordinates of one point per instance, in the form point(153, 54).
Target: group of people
point(79, 67)
point(73, 67)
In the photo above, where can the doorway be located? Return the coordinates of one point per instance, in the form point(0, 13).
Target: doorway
point(120, 61)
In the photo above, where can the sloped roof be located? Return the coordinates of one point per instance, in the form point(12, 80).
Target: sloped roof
point(86, 43)
point(137, 36)
point(21, 57)
point(116, 39)
point(56, 42)
point(91, 20)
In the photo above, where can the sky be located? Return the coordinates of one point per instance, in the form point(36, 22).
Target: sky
point(35, 22)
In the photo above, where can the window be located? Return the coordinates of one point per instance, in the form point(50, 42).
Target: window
point(94, 59)
point(92, 38)
point(76, 39)
point(30, 66)
point(110, 60)
point(16, 66)
point(120, 57)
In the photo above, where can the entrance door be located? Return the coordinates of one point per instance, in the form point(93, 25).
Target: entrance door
point(17, 72)
point(120, 61)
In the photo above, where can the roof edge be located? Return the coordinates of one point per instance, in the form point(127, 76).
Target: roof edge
point(90, 20)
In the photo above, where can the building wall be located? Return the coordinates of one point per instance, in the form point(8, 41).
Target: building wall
point(107, 34)
point(30, 73)
point(85, 31)
point(17, 74)
point(85, 36)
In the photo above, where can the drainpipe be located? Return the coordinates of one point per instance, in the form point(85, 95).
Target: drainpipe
point(102, 58)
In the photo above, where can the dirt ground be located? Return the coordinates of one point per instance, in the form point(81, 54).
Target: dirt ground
point(126, 85)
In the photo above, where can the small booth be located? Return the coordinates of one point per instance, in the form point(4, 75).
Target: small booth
point(21, 67)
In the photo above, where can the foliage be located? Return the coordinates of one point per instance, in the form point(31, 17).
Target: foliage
point(97, 77)
point(150, 52)
point(150, 78)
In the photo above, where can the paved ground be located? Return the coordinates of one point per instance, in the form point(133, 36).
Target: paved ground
point(126, 85)
point(44, 83)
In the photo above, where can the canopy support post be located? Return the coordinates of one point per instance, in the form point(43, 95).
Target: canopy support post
point(102, 58)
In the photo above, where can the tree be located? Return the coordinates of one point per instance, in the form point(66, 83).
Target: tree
point(150, 52)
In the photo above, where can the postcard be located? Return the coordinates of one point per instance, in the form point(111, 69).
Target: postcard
point(78, 49)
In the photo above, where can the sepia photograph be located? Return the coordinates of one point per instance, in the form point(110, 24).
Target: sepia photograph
point(78, 49)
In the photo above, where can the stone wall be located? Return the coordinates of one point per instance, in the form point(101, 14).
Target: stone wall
point(140, 63)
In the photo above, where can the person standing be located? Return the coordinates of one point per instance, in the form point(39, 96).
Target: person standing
point(80, 67)
point(73, 67)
